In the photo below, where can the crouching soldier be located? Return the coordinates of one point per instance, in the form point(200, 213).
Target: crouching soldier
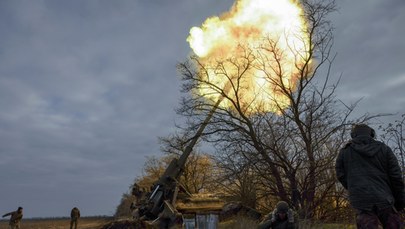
point(281, 218)
point(15, 218)
point(137, 193)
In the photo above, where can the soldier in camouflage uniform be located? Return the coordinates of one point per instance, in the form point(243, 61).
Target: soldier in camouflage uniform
point(281, 218)
point(74, 217)
point(369, 171)
point(15, 218)
point(137, 192)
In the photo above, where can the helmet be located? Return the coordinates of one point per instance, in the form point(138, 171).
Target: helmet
point(282, 207)
point(362, 130)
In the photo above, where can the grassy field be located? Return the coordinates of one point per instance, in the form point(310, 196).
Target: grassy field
point(98, 222)
point(60, 223)
point(242, 223)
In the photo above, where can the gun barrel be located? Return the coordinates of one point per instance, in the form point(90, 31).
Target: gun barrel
point(183, 158)
point(176, 166)
point(163, 188)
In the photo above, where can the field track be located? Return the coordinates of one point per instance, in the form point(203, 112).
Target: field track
point(60, 223)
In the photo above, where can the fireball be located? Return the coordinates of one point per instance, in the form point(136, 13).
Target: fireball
point(265, 38)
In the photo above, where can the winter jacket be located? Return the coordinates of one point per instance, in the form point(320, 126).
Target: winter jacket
point(75, 214)
point(369, 170)
point(272, 221)
point(15, 218)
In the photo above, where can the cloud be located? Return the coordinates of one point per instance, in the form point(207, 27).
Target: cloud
point(86, 88)
point(369, 53)
point(82, 100)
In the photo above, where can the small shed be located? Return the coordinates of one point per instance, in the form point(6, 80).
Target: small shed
point(200, 211)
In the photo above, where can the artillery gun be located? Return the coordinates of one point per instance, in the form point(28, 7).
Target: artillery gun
point(158, 207)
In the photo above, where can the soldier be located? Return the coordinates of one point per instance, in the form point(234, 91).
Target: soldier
point(369, 170)
point(137, 193)
point(15, 218)
point(74, 217)
point(281, 218)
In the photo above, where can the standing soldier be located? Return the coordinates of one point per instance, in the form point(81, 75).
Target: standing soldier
point(15, 218)
point(369, 171)
point(74, 217)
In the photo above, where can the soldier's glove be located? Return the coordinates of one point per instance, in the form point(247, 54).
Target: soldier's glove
point(290, 215)
point(273, 216)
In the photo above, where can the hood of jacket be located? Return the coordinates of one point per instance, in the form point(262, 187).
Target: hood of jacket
point(365, 145)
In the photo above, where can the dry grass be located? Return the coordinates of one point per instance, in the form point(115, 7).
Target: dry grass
point(246, 223)
point(99, 222)
point(60, 223)
point(242, 223)
point(327, 226)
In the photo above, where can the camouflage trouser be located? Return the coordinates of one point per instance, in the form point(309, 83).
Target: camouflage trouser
point(387, 217)
point(73, 223)
point(15, 225)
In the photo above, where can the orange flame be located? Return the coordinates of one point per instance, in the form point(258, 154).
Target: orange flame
point(253, 23)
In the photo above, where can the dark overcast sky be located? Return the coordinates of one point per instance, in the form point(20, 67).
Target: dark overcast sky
point(87, 87)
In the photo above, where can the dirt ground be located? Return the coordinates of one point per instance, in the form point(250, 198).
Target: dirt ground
point(60, 223)
point(110, 223)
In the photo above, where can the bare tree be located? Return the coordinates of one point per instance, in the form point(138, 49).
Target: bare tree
point(123, 209)
point(237, 178)
point(292, 151)
point(153, 169)
point(394, 136)
point(198, 170)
